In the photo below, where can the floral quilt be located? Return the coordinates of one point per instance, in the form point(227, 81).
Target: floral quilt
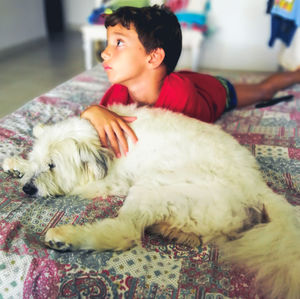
point(157, 269)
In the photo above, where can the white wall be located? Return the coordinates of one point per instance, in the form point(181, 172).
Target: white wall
point(241, 37)
point(20, 21)
point(240, 41)
point(77, 12)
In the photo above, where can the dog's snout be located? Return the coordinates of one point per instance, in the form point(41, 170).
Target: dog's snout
point(30, 188)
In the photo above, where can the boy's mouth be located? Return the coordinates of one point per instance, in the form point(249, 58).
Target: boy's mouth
point(106, 67)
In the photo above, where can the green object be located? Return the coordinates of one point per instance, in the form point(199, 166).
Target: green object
point(108, 11)
point(136, 3)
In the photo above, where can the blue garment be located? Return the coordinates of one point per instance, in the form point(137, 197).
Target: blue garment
point(291, 13)
point(191, 18)
point(95, 16)
point(269, 6)
point(231, 97)
point(283, 29)
point(196, 18)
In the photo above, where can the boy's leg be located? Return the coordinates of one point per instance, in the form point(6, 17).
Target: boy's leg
point(248, 94)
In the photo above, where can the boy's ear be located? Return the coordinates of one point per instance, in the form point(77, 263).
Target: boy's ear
point(156, 57)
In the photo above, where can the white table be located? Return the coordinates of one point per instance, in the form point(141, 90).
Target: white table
point(91, 34)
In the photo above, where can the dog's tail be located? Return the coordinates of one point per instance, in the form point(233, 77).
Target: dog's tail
point(271, 250)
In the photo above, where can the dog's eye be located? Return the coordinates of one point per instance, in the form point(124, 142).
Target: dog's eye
point(51, 165)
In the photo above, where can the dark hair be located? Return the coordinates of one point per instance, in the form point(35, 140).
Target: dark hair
point(156, 26)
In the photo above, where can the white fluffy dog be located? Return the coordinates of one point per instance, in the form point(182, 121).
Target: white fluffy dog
point(184, 179)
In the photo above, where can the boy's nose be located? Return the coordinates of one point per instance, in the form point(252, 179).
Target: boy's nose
point(105, 54)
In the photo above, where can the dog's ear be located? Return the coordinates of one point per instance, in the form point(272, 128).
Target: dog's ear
point(96, 160)
point(38, 130)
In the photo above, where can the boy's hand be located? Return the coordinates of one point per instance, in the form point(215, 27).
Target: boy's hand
point(110, 127)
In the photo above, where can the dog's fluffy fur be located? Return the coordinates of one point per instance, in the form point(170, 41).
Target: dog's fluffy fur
point(184, 179)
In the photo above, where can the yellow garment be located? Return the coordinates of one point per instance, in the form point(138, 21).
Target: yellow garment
point(286, 5)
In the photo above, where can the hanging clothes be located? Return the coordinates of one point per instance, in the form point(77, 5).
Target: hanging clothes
point(284, 21)
point(282, 29)
point(269, 6)
point(287, 9)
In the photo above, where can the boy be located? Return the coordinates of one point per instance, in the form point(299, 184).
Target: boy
point(143, 47)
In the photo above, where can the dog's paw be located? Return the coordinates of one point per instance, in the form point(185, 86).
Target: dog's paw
point(12, 167)
point(59, 246)
point(192, 240)
point(64, 238)
point(57, 238)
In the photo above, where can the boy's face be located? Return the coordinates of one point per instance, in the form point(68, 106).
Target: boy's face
point(125, 58)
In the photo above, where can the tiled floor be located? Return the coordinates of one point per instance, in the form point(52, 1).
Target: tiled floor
point(29, 72)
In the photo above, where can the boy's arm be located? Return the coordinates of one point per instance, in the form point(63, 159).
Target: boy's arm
point(110, 127)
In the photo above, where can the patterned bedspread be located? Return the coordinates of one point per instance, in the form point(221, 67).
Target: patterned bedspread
point(158, 268)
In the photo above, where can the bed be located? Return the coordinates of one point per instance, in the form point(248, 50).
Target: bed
point(157, 269)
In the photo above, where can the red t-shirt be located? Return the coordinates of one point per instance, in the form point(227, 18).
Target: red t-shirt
point(196, 95)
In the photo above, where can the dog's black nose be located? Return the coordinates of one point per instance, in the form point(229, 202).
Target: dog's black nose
point(30, 189)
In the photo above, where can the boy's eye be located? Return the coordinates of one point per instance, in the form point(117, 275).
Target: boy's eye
point(119, 43)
